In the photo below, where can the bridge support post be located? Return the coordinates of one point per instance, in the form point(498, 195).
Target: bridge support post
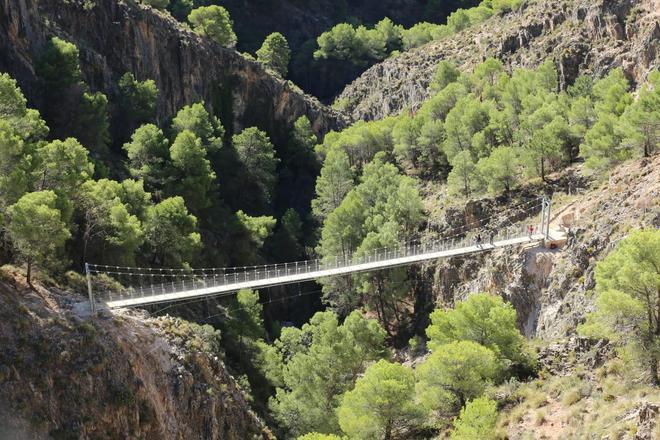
point(547, 222)
point(90, 292)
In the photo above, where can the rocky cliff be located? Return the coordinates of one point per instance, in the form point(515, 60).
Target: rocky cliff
point(118, 36)
point(64, 376)
point(578, 35)
point(550, 288)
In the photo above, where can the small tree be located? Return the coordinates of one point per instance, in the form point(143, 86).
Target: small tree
point(63, 167)
point(382, 403)
point(197, 119)
point(445, 73)
point(640, 123)
point(322, 362)
point(628, 302)
point(258, 228)
point(464, 177)
point(334, 182)
point(137, 101)
point(256, 153)
point(36, 228)
point(455, 373)
point(107, 221)
point(477, 421)
point(171, 233)
point(274, 53)
point(501, 170)
point(148, 156)
point(485, 319)
point(195, 176)
point(214, 22)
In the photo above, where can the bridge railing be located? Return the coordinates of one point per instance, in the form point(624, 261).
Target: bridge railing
point(147, 282)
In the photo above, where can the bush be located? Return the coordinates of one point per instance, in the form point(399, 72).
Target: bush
point(477, 421)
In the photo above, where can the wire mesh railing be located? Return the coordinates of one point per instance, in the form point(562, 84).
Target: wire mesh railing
point(119, 286)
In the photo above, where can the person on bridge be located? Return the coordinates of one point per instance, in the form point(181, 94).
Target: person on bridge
point(478, 240)
point(491, 236)
point(530, 230)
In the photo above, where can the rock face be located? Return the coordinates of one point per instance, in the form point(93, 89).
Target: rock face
point(551, 288)
point(118, 36)
point(64, 376)
point(578, 35)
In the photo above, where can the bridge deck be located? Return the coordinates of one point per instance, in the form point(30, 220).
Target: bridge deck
point(209, 286)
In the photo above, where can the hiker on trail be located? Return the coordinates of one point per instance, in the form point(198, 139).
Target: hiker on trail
point(530, 229)
point(478, 240)
point(491, 236)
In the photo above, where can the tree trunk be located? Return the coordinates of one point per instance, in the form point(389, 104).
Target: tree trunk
point(29, 272)
point(542, 170)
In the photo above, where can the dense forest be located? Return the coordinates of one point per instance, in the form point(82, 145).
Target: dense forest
point(86, 178)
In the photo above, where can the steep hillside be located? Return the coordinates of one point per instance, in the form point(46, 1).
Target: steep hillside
point(578, 35)
point(550, 287)
point(118, 36)
point(65, 376)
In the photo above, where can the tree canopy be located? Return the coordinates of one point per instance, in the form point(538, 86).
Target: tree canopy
point(628, 301)
point(36, 228)
point(213, 22)
point(275, 53)
point(382, 404)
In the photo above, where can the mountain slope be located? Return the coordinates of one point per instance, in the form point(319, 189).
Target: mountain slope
point(65, 376)
point(578, 35)
point(550, 288)
point(118, 36)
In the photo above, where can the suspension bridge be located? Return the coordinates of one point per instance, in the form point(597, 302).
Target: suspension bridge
point(117, 286)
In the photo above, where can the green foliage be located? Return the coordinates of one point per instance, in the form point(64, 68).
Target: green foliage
point(59, 66)
point(601, 144)
point(332, 185)
point(194, 176)
point(477, 421)
point(148, 155)
point(206, 127)
point(464, 178)
point(63, 167)
point(482, 318)
point(445, 73)
point(36, 228)
point(318, 436)
point(361, 141)
point(213, 22)
point(170, 233)
point(71, 109)
point(381, 211)
point(258, 228)
point(501, 169)
point(108, 223)
point(468, 117)
point(382, 403)
point(256, 153)
point(246, 320)
point(639, 125)
point(21, 130)
point(137, 101)
point(416, 145)
point(611, 93)
point(92, 127)
point(321, 362)
point(455, 373)
point(628, 302)
point(275, 53)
